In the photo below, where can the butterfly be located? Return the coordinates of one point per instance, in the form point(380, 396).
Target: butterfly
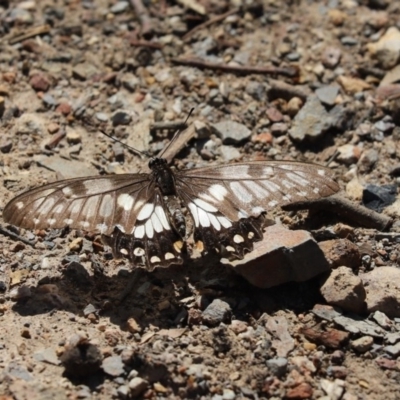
point(152, 218)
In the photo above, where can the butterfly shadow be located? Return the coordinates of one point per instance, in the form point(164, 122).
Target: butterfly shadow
point(135, 299)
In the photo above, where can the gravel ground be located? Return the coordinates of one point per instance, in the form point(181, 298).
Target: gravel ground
point(311, 81)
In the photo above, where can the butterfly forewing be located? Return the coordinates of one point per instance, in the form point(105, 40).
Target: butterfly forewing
point(92, 203)
point(226, 202)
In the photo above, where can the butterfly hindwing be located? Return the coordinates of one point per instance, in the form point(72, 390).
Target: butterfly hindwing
point(153, 242)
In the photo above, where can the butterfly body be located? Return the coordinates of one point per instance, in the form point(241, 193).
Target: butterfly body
point(148, 218)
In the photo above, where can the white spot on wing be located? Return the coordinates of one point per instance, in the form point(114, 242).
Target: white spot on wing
point(272, 203)
point(241, 192)
point(269, 171)
point(47, 205)
point(51, 221)
point(321, 172)
point(218, 191)
point(193, 210)
point(96, 186)
point(67, 191)
point(138, 252)
point(19, 205)
point(238, 239)
point(162, 217)
point(146, 211)
point(203, 218)
point(106, 206)
point(59, 208)
point(149, 229)
point(169, 256)
point(298, 179)
point(257, 189)
point(125, 201)
point(139, 232)
point(155, 259)
point(214, 221)
point(235, 171)
point(156, 223)
point(204, 205)
point(224, 222)
point(271, 186)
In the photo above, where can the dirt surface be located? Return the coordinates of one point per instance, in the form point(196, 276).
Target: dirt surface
point(304, 80)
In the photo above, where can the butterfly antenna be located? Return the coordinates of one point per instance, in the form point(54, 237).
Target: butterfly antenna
point(176, 134)
point(135, 151)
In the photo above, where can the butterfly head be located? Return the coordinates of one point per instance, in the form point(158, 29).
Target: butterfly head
point(163, 175)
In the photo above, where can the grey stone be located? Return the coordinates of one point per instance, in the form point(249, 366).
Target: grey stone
point(311, 122)
point(277, 366)
point(218, 311)
point(231, 132)
point(47, 355)
point(327, 94)
point(256, 90)
point(137, 386)
point(113, 366)
point(66, 168)
point(383, 290)
point(362, 344)
point(103, 117)
point(382, 320)
point(360, 326)
point(393, 350)
point(18, 371)
point(119, 7)
point(229, 153)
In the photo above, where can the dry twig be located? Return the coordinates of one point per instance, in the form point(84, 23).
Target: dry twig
point(211, 21)
point(356, 213)
point(15, 236)
point(237, 69)
point(32, 32)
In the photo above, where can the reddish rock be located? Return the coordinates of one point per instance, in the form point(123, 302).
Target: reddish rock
point(332, 338)
point(341, 252)
point(344, 289)
point(274, 114)
point(64, 108)
point(302, 391)
point(40, 82)
point(282, 256)
point(264, 137)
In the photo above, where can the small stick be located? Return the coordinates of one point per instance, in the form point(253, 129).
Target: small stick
point(39, 30)
point(211, 21)
point(146, 43)
point(345, 208)
point(236, 69)
point(170, 125)
point(285, 91)
point(53, 142)
point(14, 236)
point(179, 143)
point(144, 17)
